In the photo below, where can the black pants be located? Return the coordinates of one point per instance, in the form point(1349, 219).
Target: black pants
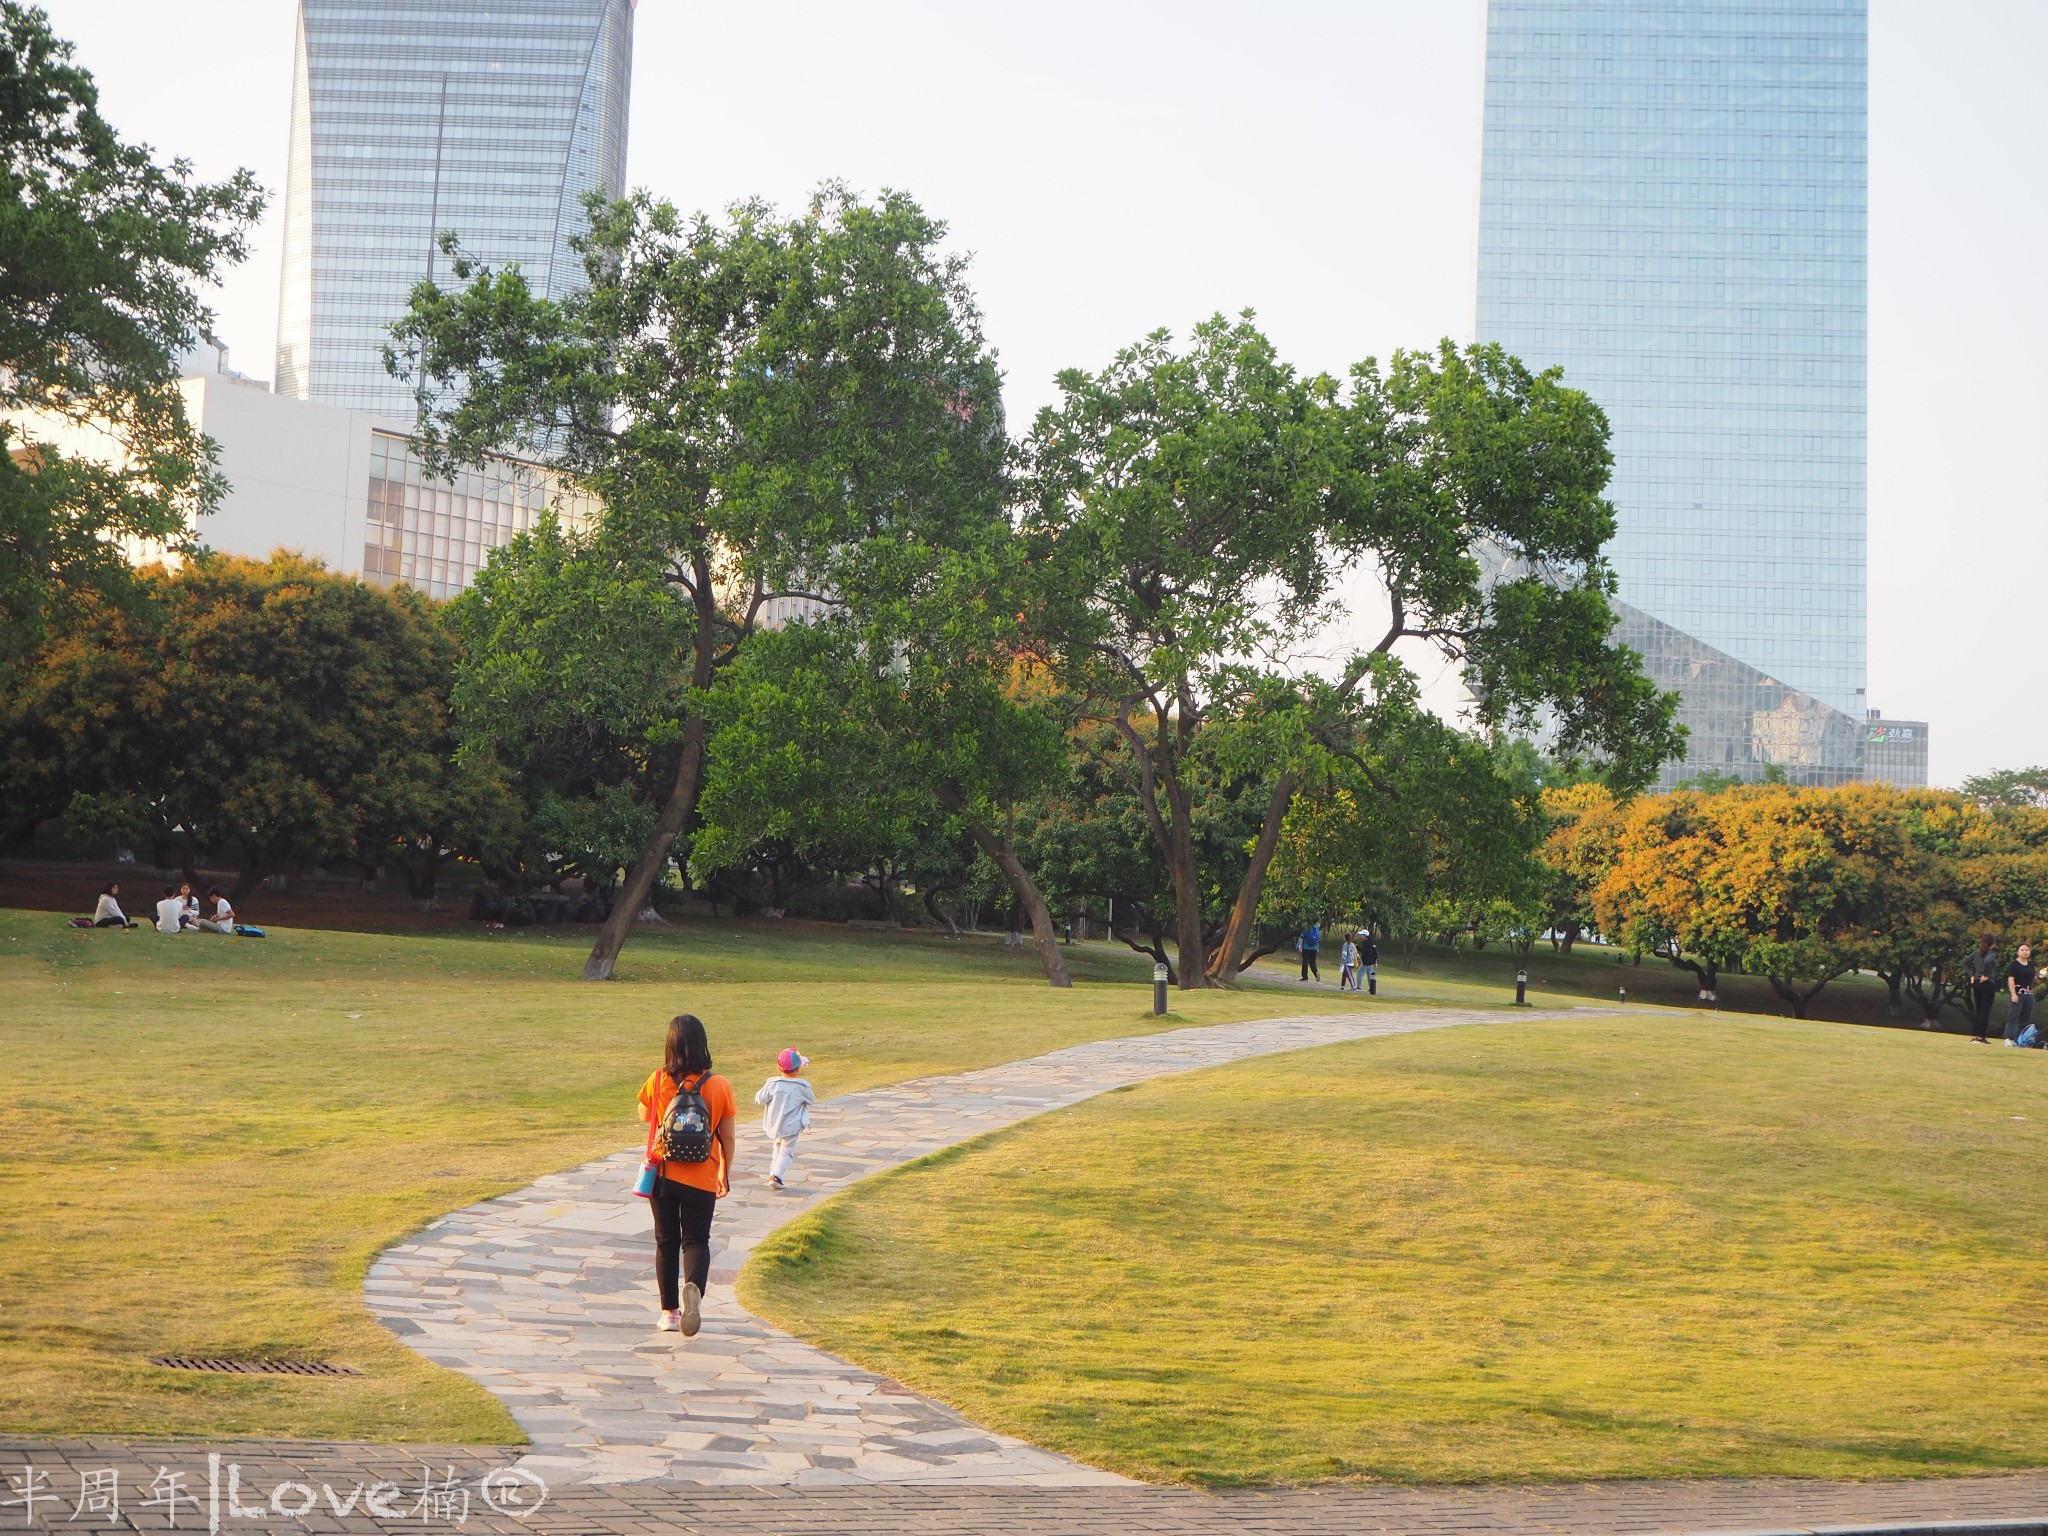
point(1308, 965)
point(2019, 1013)
point(1981, 993)
point(682, 1229)
point(112, 922)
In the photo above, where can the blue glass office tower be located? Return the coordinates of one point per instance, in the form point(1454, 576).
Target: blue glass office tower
point(492, 118)
point(1673, 208)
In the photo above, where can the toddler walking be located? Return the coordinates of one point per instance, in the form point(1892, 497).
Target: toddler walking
point(785, 1102)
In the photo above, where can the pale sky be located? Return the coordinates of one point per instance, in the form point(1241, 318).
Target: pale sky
point(1116, 166)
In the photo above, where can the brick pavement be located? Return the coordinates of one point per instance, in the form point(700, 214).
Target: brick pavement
point(545, 1296)
point(235, 1493)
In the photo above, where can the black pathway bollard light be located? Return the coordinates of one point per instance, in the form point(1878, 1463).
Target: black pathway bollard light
point(1159, 974)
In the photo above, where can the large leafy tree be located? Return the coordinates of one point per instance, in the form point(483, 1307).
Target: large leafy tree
point(1194, 510)
point(268, 712)
point(573, 681)
point(771, 408)
point(102, 253)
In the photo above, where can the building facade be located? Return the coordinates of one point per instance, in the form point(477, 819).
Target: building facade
point(491, 118)
point(1673, 210)
point(1895, 751)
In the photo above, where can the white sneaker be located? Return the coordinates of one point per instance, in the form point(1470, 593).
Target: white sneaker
point(671, 1322)
point(690, 1318)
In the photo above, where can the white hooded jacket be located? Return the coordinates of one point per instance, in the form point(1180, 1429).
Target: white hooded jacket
point(785, 1106)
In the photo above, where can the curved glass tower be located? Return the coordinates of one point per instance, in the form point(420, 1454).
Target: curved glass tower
point(1673, 208)
point(491, 118)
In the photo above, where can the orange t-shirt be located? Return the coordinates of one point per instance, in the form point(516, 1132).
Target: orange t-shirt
point(711, 1174)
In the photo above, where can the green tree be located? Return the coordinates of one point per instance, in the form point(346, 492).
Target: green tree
point(2009, 786)
point(571, 685)
point(771, 409)
point(267, 710)
point(1420, 829)
point(102, 253)
point(1194, 508)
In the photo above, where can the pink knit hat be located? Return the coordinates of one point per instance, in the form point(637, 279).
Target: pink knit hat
point(792, 1061)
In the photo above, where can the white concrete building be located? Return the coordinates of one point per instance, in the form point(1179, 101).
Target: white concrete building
point(342, 486)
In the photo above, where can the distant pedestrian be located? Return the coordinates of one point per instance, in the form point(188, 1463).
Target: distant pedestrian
point(1368, 963)
point(785, 1101)
point(2019, 991)
point(1347, 967)
point(170, 912)
point(689, 1111)
point(1311, 941)
point(107, 912)
point(1983, 987)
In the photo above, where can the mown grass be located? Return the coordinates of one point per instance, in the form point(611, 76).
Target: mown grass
point(1593, 1248)
point(204, 1141)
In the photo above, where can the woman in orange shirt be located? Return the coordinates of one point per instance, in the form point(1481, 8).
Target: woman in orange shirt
point(686, 1194)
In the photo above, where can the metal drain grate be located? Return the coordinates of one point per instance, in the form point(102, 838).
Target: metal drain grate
point(253, 1367)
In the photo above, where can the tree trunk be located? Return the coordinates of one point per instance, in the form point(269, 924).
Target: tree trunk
point(1004, 857)
point(1244, 912)
point(632, 896)
point(1895, 1007)
point(640, 876)
point(939, 913)
point(1176, 847)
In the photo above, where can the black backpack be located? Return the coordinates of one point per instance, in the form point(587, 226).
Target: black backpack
point(685, 1132)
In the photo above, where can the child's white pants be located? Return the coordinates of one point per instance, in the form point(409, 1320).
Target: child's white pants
point(783, 1155)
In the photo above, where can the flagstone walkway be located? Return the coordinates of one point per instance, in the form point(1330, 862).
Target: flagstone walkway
point(546, 1296)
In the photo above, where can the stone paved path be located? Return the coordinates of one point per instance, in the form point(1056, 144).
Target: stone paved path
point(546, 1296)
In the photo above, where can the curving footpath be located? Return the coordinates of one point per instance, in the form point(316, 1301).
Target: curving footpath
point(545, 1296)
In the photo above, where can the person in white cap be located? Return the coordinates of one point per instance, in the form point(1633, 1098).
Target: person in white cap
point(785, 1101)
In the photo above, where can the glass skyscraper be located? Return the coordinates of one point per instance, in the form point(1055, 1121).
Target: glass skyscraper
point(491, 118)
point(1673, 208)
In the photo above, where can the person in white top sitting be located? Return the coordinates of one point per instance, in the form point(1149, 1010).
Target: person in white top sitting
point(222, 918)
point(107, 913)
point(170, 912)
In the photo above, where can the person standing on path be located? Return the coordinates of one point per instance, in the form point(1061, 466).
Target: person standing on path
point(687, 1192)
point(1983, 988)
point(1311, 941)
point(785, 1101)
point(1368, 963)
point(1347, 968)
point(2019, 990)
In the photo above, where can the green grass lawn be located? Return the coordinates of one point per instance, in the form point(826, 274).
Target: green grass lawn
point(204, 1141)
point(1551, 1250)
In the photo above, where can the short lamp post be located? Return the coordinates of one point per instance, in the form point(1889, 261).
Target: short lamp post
point(1521, 986)
point(1159, 987)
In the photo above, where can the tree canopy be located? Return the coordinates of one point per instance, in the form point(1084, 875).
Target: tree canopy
point(103, 251)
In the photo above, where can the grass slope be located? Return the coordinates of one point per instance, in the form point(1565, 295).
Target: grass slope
point(1579, 1249)
point(204, 1141)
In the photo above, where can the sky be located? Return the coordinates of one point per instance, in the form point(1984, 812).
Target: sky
point(1115, 167)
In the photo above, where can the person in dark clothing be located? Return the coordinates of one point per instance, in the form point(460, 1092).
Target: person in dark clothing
point(1368, 963)
point(1311, 941)
point(1983, 988)
point(2019, 991)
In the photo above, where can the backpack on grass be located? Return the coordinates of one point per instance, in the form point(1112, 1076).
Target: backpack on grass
point(684, 1135)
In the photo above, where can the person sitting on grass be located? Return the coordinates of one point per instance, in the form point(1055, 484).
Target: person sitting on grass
point(223, 918)
point(107, 913)
point(170, 912)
